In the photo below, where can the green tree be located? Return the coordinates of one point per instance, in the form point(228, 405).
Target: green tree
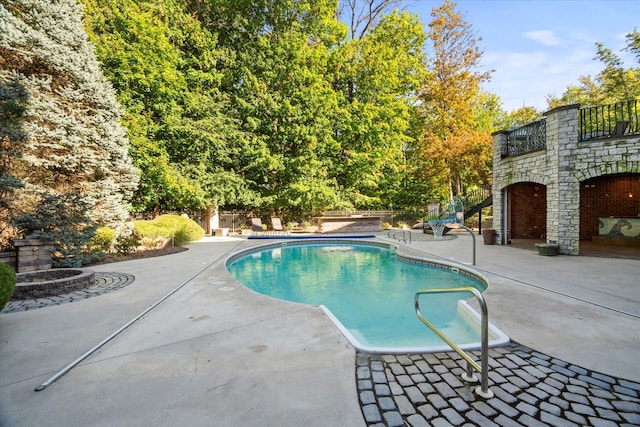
point(633, 44)
point(281, 96)
point(520, 117)
point(13, 98)
point(267, 104)
point(164, 64)
point(378, 77)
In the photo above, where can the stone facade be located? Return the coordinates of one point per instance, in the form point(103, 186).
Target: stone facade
point(561, 166)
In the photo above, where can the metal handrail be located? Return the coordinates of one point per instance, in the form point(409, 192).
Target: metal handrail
point(473, 238)
point(396, 232)
point(483, 390)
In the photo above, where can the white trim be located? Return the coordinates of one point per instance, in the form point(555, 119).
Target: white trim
point(496, 336)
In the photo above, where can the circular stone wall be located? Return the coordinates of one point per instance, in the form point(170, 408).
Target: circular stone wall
point(46, 283)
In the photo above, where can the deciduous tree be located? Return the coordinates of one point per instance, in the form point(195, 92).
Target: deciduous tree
point(453, 148)
point(378, 77)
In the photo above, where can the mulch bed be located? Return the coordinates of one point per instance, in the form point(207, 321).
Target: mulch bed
point(148, 253)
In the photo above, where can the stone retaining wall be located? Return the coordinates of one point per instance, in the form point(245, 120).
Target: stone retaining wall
point(348, 224)
point(37, 284)
point(9, 258)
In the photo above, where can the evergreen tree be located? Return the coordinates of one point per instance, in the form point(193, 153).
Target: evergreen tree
point(13, 98)
point(67, 142)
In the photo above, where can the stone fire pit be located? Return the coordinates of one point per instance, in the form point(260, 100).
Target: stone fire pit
point(46, 283)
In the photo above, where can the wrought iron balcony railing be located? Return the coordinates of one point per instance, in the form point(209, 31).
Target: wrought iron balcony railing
point(525, 139)
point(609, 121)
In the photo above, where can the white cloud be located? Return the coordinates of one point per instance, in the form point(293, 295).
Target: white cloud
point(545, 37)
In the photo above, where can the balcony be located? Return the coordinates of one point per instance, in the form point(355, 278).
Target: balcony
point(526, 139)
point(608, 121)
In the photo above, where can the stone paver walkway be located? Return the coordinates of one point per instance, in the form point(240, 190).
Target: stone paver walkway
point(530, 388)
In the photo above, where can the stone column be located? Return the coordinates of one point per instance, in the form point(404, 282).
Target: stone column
point(32, 254)
point(563, 189)
point(499, 148)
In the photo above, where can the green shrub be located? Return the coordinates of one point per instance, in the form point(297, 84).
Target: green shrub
point(192, 230)
point(182, 230)
point(124, 245)
point(102, 240)
point(149, 229)
point(7, 284)
point(180, 237)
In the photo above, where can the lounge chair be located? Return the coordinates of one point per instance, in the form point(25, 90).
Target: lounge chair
point(256, 225)
point(276, 224)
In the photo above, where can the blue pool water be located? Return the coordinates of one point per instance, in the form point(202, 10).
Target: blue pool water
point(366, 287)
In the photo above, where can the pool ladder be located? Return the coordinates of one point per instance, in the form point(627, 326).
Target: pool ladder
point(394, 233)
point(482, 390)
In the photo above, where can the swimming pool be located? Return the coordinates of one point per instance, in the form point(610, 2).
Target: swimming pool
point(368, 291)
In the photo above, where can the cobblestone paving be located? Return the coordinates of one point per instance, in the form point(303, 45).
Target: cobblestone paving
point(104, 282)
point(530, 388)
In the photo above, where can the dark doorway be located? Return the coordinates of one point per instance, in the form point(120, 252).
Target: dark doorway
point(527, 210)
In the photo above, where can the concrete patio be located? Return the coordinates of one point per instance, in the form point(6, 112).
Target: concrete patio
point(216, 353)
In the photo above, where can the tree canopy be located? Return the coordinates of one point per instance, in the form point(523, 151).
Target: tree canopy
point(270, 105)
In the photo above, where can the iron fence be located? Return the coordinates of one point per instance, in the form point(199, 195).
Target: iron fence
point(234, 221)
point(527, 138)
point(607, 121)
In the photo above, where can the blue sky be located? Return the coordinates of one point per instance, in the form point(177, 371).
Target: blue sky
point(540, 47)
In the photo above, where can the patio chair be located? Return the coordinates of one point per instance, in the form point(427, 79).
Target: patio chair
point(256, 225)
point(622, 128)
point(276, 224)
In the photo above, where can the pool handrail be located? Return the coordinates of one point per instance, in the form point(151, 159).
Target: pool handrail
point(483, 390)
point(473, 237)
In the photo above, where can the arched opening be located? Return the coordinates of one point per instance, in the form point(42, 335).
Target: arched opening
point(610, 209)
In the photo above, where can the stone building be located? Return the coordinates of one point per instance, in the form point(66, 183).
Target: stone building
point(574, 175)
